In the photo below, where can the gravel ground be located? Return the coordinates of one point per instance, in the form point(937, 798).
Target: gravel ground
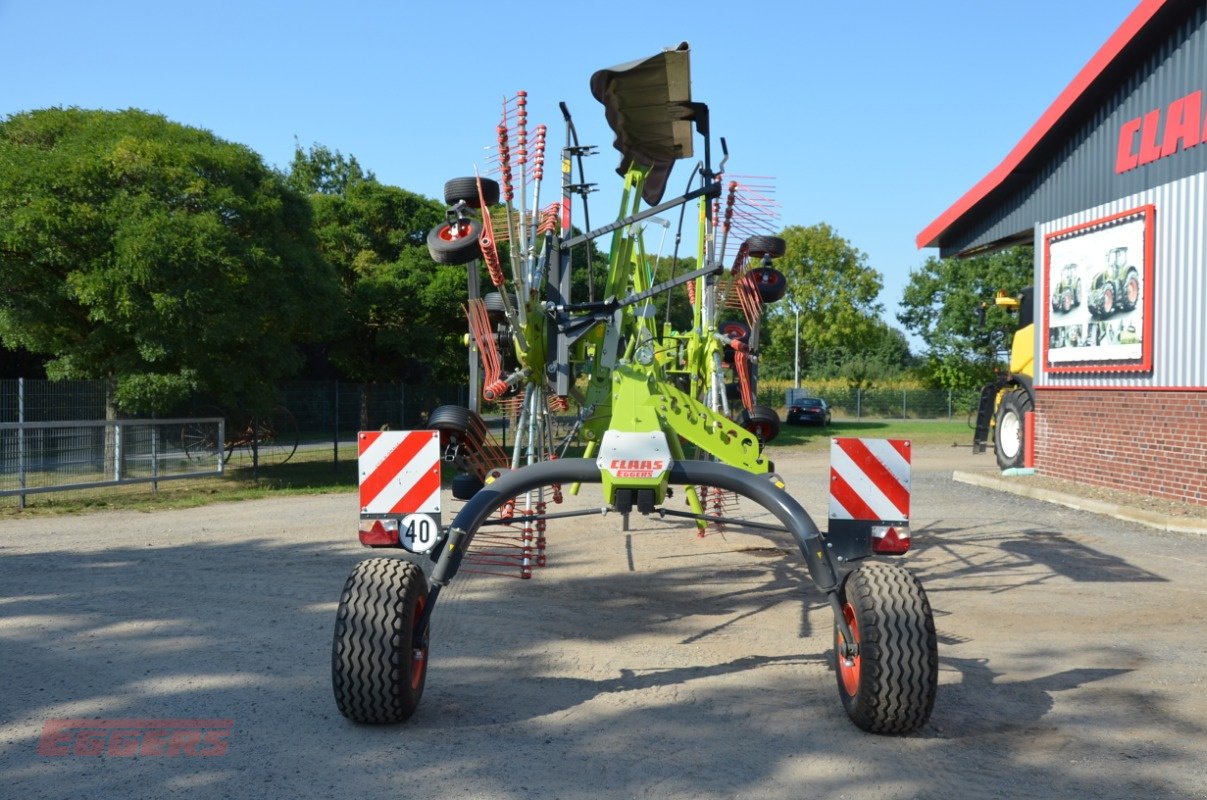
point(650, 663)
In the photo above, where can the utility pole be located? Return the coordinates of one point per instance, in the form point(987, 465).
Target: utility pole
point(796, 373)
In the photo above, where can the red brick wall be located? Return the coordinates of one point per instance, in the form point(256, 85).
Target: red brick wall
point(1154, 443)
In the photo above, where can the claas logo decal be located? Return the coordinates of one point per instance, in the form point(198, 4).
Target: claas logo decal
point(637, 468)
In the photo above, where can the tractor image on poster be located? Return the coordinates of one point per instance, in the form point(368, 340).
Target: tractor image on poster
point(660, 409)
point(1116, 288)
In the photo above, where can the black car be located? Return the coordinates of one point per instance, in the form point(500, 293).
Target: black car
point(809, 411)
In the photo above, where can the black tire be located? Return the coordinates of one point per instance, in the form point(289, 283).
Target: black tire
point(455, 243)
point(454, 419)
point(1009, 440)
point(762, 421)
point(759, 246)
point(890, 686)
point(458, 438)
point(771, 283)
point(735, 329)
point(494, 306)
point(1108, 300)
point(466, 485)
point(458, 189)
point(378, 658)
point(1131, 291)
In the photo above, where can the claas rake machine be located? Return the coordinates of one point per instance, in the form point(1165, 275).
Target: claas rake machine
point(602, 369)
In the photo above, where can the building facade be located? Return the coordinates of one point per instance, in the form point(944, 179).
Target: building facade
point(1111, 188)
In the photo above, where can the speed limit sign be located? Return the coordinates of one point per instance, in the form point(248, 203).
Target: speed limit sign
point(418, 532)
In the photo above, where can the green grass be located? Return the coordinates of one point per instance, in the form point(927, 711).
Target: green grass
point(919, 431)
point(312, 471)
point(308, 472)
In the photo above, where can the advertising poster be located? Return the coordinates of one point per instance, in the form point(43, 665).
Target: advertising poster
point(1098, 286)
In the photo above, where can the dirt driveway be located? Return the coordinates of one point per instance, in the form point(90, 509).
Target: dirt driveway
point(650, 663)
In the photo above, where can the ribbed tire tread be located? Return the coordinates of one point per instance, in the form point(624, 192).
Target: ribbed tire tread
point(899, 668)
point(371, 651)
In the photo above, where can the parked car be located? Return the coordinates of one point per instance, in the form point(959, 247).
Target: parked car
point(809, 411)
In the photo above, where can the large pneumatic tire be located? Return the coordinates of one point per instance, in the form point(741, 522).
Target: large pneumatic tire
point(458, 189)
point(456, 242)
point(890, 686)
point(378, 658)
point(1009, 439)
point(759, 246)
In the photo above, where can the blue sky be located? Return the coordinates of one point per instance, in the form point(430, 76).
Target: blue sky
point(872, 116)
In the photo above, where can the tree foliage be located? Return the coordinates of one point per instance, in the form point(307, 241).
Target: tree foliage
point(883, 355)
point(322, 170)
point(832, 289)
point(405, 318)
point(154, 255)
point(942, 305)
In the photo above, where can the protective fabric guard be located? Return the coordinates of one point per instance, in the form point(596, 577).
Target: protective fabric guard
point(648, 106)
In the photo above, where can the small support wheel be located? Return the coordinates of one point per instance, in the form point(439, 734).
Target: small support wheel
point(759, 246)
point(890, 685)
point(762, 421)
point(771, 283)
point(495, 310)
point(459, 189)
point(378, 656)
point(465, 485)
point(455, 242)
point(735, 329)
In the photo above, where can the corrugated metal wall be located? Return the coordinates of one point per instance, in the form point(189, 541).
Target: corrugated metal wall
point(1179, 290)
point(1082, 174)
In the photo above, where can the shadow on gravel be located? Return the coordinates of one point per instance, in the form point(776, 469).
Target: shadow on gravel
point(1076, 561)
point(242, 631)
point(980, 704)
point(998, 560)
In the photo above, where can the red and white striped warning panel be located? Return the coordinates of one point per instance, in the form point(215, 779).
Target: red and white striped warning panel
point(869, 479)
point(399, 472)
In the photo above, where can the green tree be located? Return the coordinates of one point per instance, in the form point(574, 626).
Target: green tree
point(942, 306)
point(322, 170)
point(155, 256)
point(883, 355)
point(405, 320)
point(832, 290)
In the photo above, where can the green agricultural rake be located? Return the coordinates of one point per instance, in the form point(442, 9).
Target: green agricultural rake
point(639, 393)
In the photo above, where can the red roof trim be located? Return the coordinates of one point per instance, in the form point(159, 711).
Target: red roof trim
point(1088, 75)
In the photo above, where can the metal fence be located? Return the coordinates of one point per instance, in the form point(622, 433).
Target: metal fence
point(37, 457)
point(323, 409)
point(892, 403)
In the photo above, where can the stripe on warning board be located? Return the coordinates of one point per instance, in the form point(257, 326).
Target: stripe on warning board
point(399, 471)
point(869, 479)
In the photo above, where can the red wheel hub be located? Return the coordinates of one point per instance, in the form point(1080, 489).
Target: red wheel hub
point(454, 231)
point(848, 666)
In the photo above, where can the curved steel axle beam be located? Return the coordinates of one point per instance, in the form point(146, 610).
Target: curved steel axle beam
point(758, 488)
